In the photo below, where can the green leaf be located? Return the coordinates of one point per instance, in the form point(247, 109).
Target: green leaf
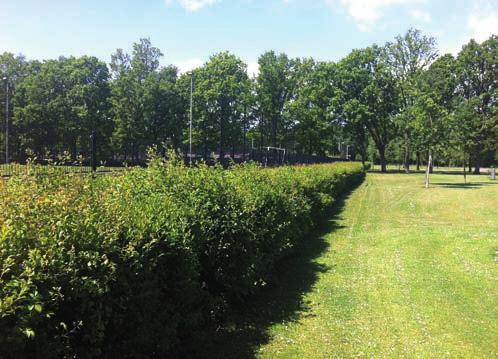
point(29, 333)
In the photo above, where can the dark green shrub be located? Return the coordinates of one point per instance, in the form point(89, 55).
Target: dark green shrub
point(131, 265)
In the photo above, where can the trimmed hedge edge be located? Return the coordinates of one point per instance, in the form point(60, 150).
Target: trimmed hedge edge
point(133, 265)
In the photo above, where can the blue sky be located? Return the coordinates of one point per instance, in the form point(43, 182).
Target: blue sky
point(189, 31)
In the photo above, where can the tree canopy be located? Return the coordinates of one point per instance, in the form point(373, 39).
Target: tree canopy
point(392, 102)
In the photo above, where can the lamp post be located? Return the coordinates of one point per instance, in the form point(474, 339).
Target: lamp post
point(245, 134)
point(190, 124)
point(6, 119)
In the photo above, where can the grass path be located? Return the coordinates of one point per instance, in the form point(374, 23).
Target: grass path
point(412, 273)
point(403, 272)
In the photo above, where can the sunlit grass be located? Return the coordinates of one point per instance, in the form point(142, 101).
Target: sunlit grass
point(409, 272)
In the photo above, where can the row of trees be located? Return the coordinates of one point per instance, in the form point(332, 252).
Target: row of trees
point(396, 102)
point(412, 103)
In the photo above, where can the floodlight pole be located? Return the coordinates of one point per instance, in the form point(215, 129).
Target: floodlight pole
point(245, 133)
point(6, 119)
point(190, 125)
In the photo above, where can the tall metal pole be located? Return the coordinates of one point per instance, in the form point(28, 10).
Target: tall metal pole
point(190, 125)
point(245, 133)
point(6, 120)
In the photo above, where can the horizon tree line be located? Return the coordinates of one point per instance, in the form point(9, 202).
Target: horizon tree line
point(399, 102)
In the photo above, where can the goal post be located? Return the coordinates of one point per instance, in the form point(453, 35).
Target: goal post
point(281, 153)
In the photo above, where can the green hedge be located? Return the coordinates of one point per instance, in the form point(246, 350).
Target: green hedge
point(131, 265)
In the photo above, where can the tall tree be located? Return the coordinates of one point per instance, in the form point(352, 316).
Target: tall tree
point(61, 103)
point(477, 120)
point(164, 111)
point(429, 122)
point(132, 134)
point(275, 85)
point(89, 100)
point(367, 96)
point(310, 112)
point(221, 89)
point(407, 57)
point(13, 69)
point(433, 106)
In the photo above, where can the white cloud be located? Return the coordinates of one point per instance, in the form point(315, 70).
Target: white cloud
point(193, 5)
point(420, 15)
point(367, 12)
point(189, 65)
point(482, 26)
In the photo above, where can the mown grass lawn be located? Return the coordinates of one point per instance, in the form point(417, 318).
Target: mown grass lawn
point(403, 272)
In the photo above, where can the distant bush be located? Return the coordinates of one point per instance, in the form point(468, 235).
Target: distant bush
point(131, 265)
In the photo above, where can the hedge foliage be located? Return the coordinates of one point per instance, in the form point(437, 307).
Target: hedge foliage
point(131, 265)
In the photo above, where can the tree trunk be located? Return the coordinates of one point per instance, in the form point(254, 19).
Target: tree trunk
point(223, 121)
point(222, 149)
point(418, 160)
point(464, 170)
point(244, 146)
point(363, 155)
point(75, 148)
point(204, 141)
point(406, 162)
point(383, 165)
point(205, 149)
point(427, 172)
point(274, 131)
point(477, 165)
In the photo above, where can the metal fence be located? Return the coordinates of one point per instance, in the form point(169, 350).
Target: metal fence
point(16, 169)
point(267, 157)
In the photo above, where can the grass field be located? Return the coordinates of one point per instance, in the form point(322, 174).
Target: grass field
point(401, 271)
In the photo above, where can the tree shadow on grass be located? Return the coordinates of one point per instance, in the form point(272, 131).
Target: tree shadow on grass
point(419, 172)
point(471, 185)
point(281, 302)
